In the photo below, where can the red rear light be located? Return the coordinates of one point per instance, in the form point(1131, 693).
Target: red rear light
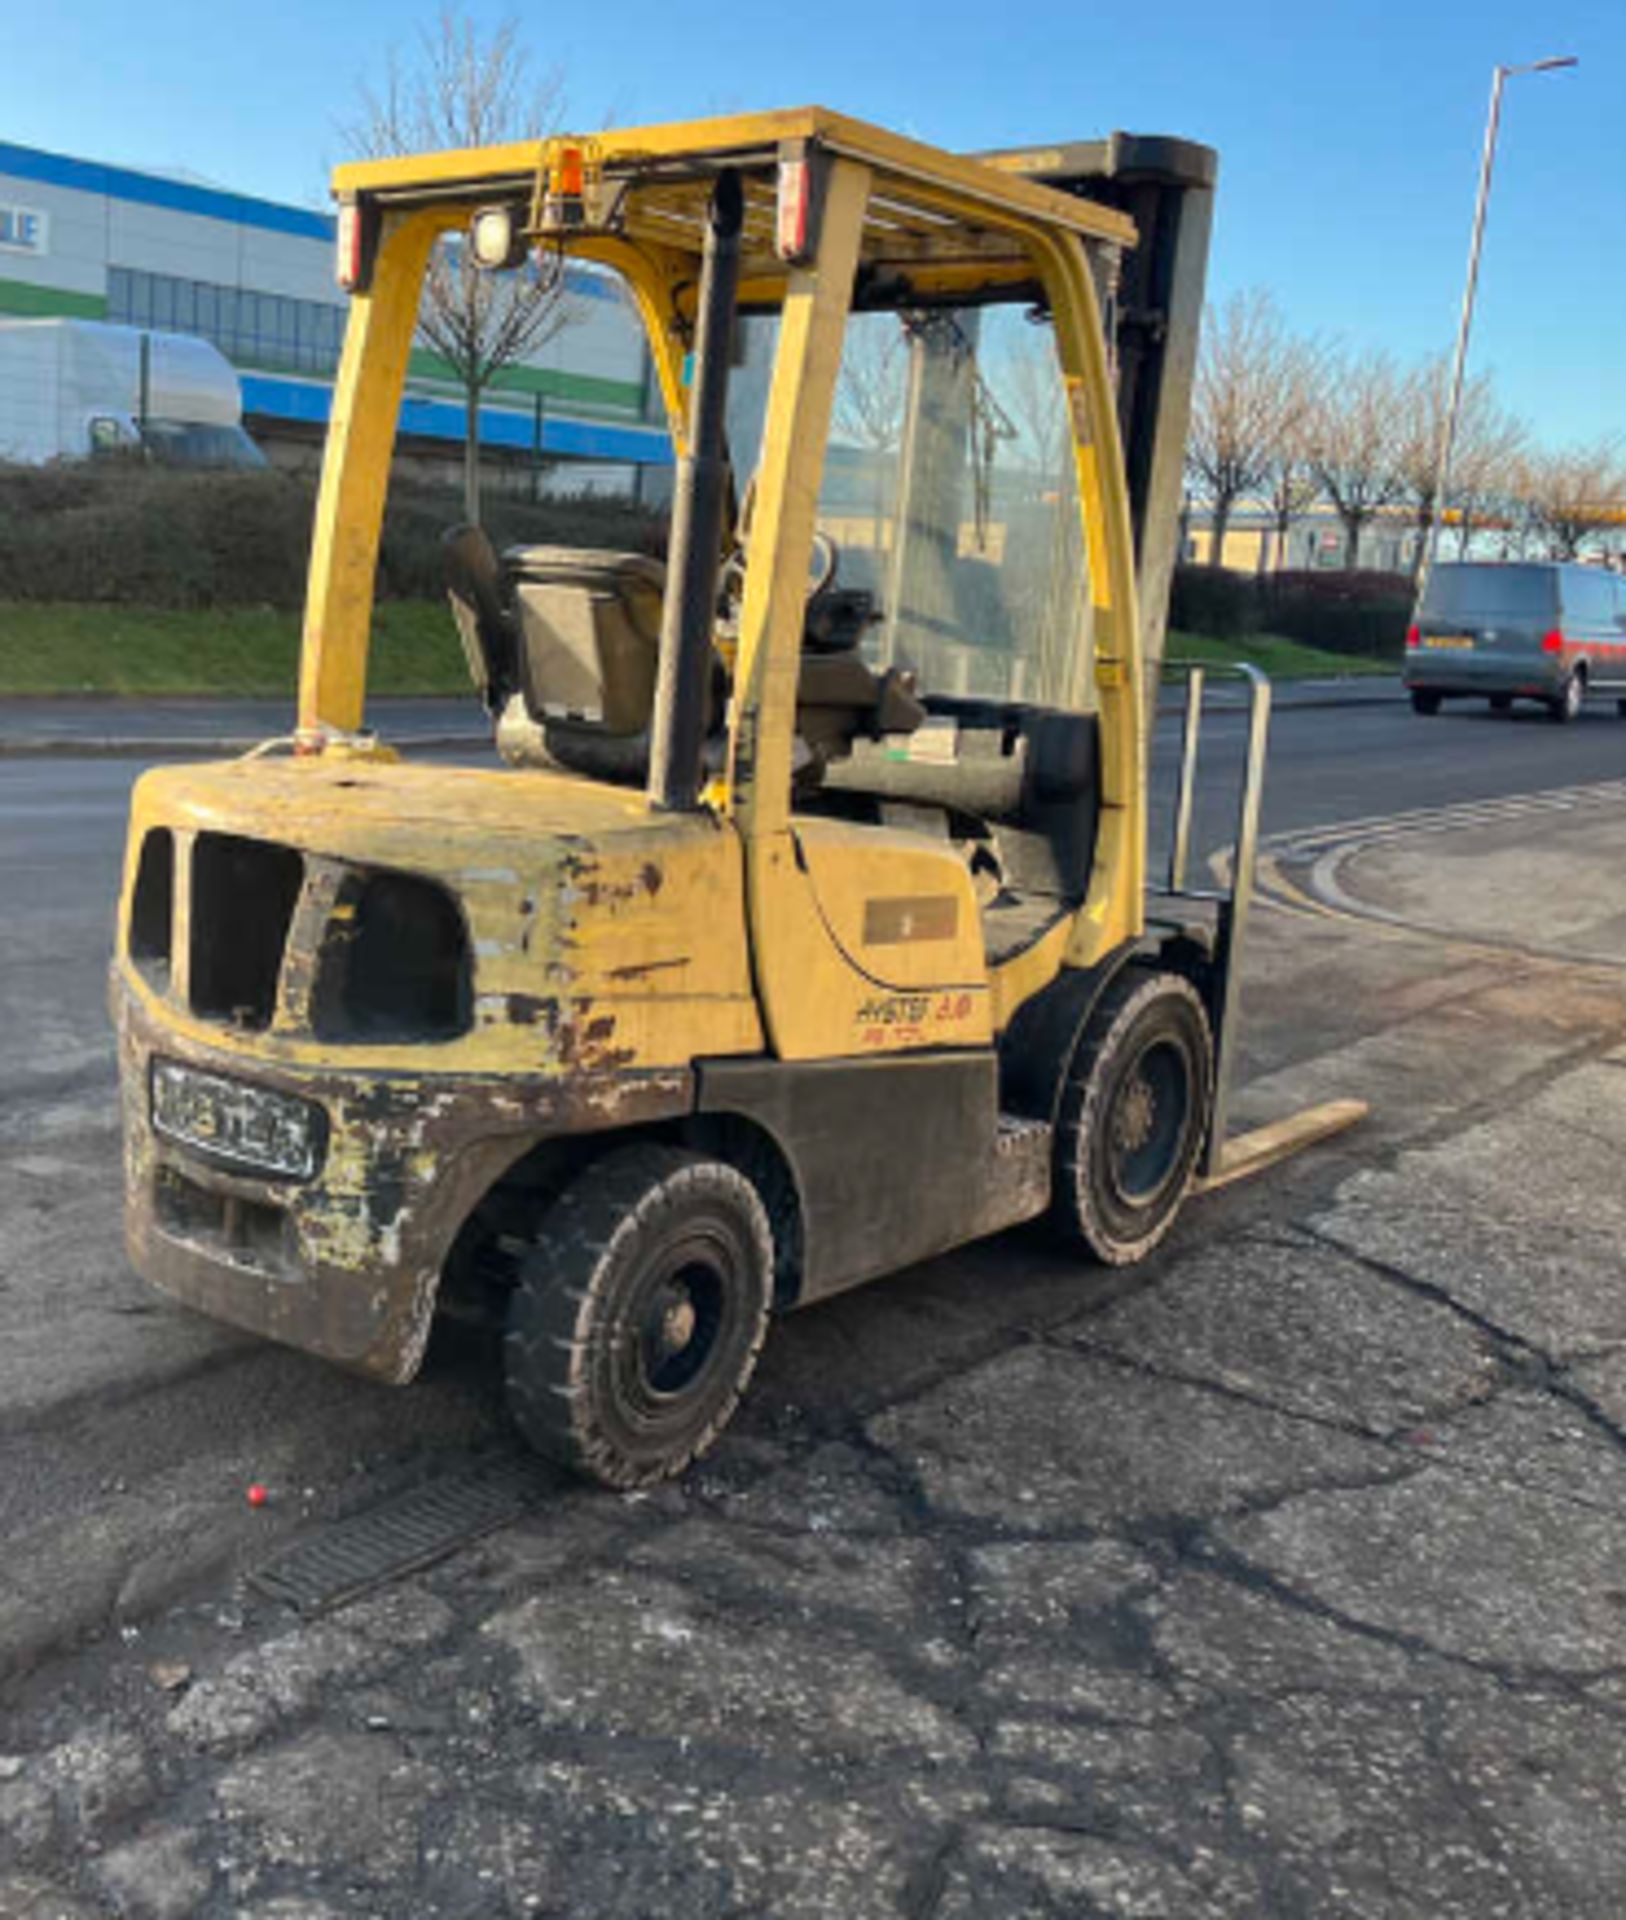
point(1552, 641)
point(794, 205)
point(1414, 637)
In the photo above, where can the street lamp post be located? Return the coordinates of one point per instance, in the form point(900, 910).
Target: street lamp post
point(1448, 433)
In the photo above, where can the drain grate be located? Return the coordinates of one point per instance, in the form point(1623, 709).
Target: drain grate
point(401, 1537)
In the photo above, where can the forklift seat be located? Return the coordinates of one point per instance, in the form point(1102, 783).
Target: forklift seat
point(564, 646)
point(589, 634)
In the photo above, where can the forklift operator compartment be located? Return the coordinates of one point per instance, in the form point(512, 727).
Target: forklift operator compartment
point(798, 928)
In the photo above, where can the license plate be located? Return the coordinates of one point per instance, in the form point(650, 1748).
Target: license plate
point(254, 1128)
point(1455, 642)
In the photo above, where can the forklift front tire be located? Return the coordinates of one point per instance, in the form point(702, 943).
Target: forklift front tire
point(638, 1314)
point(1134, 1114)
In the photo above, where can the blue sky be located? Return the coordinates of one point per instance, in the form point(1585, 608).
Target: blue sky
point(1349, 135)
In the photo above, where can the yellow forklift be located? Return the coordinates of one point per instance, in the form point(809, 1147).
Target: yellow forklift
point(799, 927)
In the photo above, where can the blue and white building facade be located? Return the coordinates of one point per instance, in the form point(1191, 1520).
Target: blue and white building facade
point(255, 277)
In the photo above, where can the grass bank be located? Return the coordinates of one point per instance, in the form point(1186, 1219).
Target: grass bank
point(1282, 659)
point(69, 648)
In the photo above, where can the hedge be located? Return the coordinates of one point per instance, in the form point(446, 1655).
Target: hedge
point(146, 536)
point(149, 536)
point(1362, 613)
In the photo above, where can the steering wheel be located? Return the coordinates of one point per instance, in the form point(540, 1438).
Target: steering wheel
point(823, 564)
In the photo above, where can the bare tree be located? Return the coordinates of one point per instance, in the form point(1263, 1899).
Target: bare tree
point(465, 87)
point(1573, 494)
point(1484, 476)
point(1487, 441)
point(1355, 440)
point(1290, 487)
point(1251, 394)
point(1030, 382)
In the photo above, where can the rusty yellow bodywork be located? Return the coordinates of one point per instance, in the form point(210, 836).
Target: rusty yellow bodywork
point(609, 949)
point(613, 946)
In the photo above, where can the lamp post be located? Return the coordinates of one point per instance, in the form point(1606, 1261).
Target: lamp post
point(1448, 434)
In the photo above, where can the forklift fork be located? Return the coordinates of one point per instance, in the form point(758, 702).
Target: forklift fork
point(1227, 1158)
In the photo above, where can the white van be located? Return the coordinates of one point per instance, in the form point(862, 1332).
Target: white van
point(76, 389)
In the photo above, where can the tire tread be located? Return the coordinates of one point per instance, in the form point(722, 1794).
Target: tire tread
point(610, 1200)
point(1138, 984)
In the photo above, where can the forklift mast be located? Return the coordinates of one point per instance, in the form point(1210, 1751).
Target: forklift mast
point(1152, 302)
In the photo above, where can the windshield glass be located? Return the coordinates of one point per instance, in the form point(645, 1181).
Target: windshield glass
point(950, 494)
point(1486, 593)
point(1590, 595)
point(190, 443)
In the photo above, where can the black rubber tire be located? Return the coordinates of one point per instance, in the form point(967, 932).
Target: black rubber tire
point(1145, 1018)
point(1422, 702)
point(1566, 706)
point(1620, 708)
point(592, 1378)
point(1501, 703)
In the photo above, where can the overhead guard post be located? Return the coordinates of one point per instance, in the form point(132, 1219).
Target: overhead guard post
point(690, 609)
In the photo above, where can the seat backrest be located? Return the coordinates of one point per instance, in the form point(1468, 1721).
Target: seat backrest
point(485, 624)
point(589, 633)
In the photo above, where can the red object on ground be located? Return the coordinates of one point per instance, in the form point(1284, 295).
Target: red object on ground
point(257, 1495)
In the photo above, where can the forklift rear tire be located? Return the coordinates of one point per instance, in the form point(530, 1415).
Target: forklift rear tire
point(1134, 1114)
point(639, 1313)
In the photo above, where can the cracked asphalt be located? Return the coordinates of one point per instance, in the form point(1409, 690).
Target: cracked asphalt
point(1285, 1575)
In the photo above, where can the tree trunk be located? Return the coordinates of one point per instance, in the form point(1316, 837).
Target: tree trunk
point(1352, 536)
point(471, 455)
point(1218, 521)
point(1425, 519)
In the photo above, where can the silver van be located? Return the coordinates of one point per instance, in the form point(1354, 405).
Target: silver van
point(1550, 631)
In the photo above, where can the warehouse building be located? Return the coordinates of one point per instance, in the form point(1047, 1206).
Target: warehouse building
point(1314, 540)
point(255, 277)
